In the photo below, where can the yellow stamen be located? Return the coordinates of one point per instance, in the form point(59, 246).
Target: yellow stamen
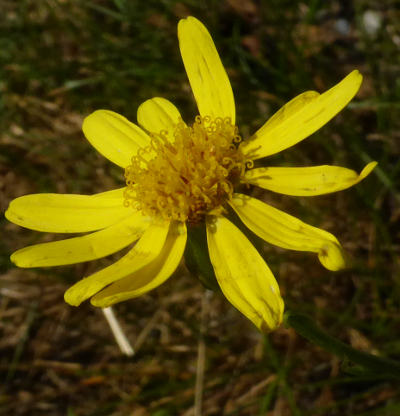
point(186, 176)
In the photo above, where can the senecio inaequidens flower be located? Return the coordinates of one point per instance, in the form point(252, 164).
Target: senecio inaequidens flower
point(180, 175)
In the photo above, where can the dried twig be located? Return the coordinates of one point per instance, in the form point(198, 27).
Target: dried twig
point(118, 333)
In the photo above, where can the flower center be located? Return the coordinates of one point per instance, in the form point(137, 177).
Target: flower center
point(188, 173)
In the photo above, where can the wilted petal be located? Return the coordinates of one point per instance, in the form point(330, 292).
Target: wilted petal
point(283, 230)
point(244, 278)
point(307, 181)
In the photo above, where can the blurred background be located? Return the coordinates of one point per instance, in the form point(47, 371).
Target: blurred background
point(62, 59)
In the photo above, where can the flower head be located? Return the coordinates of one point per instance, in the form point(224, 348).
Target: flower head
point(188, 172)
point(180, 175)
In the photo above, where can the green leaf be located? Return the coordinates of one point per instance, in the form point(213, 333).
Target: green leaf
point(307, 328)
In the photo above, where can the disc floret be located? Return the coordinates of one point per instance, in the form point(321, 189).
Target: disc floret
point(188, 172)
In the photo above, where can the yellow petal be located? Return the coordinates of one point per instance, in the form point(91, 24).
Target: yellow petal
point(308, 181)
point(144, 252)
point(68, 213)
point(301, 117)
point(150, 276)
point(283, 230)
point(243, 275)
point(114, 136)
point(86, 248)
point(158, 114)
point(207, 76)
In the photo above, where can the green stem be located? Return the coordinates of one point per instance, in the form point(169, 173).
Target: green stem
point(307, 328)
point(197, 259)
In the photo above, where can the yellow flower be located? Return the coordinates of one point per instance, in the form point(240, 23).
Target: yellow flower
point(178, 175)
